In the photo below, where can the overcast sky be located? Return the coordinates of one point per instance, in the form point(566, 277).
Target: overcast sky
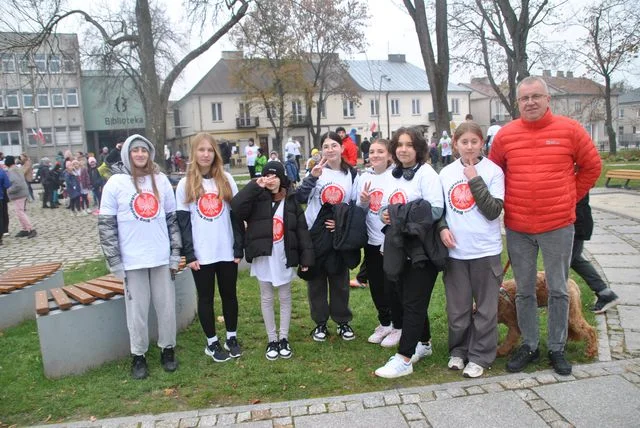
point(391, 30)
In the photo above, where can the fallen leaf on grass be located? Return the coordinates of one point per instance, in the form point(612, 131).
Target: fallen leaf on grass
point(220, 319)
point(48, 418)
point(169, 391)
point(255, 401)
point(348, 369)
point(93, 419)
point(302, 386)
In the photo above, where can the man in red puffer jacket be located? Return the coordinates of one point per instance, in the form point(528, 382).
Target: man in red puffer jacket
point(550, 163)
point(350, 150)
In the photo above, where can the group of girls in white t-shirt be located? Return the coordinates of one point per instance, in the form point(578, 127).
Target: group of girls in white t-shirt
point(140, 221)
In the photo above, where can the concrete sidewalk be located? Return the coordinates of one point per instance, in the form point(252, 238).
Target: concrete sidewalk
point(601, 394)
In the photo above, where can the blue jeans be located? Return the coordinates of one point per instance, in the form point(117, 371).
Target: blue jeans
point(556, 256)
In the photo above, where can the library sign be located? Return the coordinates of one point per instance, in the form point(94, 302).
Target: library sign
point(111, 105)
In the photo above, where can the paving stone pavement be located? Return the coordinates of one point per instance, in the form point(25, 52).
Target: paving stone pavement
point(603, 394)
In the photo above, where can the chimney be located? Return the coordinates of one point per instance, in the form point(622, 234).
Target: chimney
point(570, 74)
point(480, 80)
point(397, 58)
point(560, 73)
point(232, 54)
point(546, 73)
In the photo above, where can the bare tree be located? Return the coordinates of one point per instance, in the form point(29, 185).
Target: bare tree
point(495, 35)
point(141, 42)
point(611, 43)
point(437, 70)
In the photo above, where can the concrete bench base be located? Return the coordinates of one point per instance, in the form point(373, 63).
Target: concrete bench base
point(17, 306)
point(88, 336)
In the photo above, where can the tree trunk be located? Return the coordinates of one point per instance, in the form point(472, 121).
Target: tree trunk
point(611, 133)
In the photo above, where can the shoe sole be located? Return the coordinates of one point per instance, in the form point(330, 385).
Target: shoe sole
point(208, 354)
point(467, 375)
point(347, 338)
point(389, 345)
point(608, 306)
point(286, 357)
point(318, 339)
point(230, 354)
point(394, 376)
point(271, 358)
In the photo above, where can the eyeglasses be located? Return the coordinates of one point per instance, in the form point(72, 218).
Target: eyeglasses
point(535, 98)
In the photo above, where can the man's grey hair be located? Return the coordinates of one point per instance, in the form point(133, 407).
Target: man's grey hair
point(530, 80)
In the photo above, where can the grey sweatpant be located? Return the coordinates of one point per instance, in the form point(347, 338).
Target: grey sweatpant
point(267, 297)
point(473, 337)
point(141, 287)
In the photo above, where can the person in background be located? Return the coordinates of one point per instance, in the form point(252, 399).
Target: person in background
point(273, 156)
point(103, 155)
point(54, 181)
point(72, 187)
point(251, 152)
point(85, 184)
point(225, 153)
point(445, 148)
point(114, 155)
point(27, 170)
point(291, 167)
point(18, 193)
point(4, 185)
point(313, 160)
point(468, 118)
point(43, 173)
point(277, 241)
point(261, 161)
point(350, 150)
point(140, 238)
point(96, 181)
point(491, 133)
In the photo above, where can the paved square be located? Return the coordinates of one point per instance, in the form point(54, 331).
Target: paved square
point(505, 409)
point(378, 417)
point(611, 400)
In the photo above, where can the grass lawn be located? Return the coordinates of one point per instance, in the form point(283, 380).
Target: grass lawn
point(331, 368)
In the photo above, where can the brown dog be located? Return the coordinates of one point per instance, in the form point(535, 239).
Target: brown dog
point(579, 328)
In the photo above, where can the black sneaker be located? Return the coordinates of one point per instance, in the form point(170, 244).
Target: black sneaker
point(168, 360)
point(139, 369)
point(273, 351)
point(285, 349)
point(32, 233)
point(559, 363)
point(523, 356)
point(605, 302)
point(233, 347)
point(345, 331)
point(320, 333)
point(22, 234)
point(216, 352)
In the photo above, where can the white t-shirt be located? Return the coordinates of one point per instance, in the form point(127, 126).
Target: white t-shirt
point(492, 131)
point(274, 268)
point(376, 194)
point(445, 143)
point(332, 186)
point(290, 148)
point(475, 236)
point(251, 152)
point(210, 221)
point(143, 236)
point(424, 185)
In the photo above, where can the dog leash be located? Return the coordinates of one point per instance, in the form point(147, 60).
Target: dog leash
point(506, 267)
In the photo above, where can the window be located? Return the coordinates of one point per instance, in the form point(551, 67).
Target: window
point(27, 99)
point(41, 62)
point(11, 138)
point(62, 139)
point(621, 113)
point(68, 65)
point(395, 107)
point(216, 112)
point(348, 108)
point(1, 100)
point(620, 130)
point(12, 99)
point(72, 97)
point(43, 98)
point(75, 135)
point(633, 130)
point(415, 106)
point(57, 98)
point(577, 107)
point(25, 61)
point(455, 106)
point(374, 106)
point(244, 114)
point(54, 64)
point(8, 63)
point(272, 112)
point(296, 111)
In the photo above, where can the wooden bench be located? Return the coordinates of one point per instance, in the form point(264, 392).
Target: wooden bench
point(622, 174)
point(18, 286)
point(85, 325)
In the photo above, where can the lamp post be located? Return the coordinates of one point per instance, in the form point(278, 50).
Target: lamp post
point(388, 79)
point(32, 68)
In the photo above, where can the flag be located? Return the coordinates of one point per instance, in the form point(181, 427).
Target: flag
point(41, 136)
point(38, 136)
point(373, 127)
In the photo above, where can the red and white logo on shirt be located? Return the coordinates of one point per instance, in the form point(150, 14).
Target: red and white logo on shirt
point(460, 197)
point(145, 206)
point(398, 197)
point(209, 206)
point(332, 193)
point(375, 200)
point(278, 229)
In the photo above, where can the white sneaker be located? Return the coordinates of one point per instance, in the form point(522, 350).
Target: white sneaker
point(395, 367)
point(456, 363)
point(472, 370)
point(422, 350)
point(380, 333)
point(392, 338)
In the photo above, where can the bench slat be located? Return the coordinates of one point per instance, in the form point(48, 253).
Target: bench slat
point(15, 284)
point(96, 291)
point(7, 288)
point(79, 295)
point(62, 300)
point(115, 287)
point(42, 302)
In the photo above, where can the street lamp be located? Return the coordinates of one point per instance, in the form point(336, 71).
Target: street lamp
point(388, 79)
point(32, 68)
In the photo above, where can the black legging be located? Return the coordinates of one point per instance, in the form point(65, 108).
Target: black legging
point(227, 275)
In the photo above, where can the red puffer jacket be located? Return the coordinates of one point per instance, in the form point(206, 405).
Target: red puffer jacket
point(540, 160)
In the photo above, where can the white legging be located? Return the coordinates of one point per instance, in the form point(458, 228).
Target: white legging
point(267, 295)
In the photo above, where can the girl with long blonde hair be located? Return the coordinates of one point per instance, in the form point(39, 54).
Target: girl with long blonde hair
point(204, 212)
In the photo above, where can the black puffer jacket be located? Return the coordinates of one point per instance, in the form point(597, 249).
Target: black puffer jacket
point(253, 204)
